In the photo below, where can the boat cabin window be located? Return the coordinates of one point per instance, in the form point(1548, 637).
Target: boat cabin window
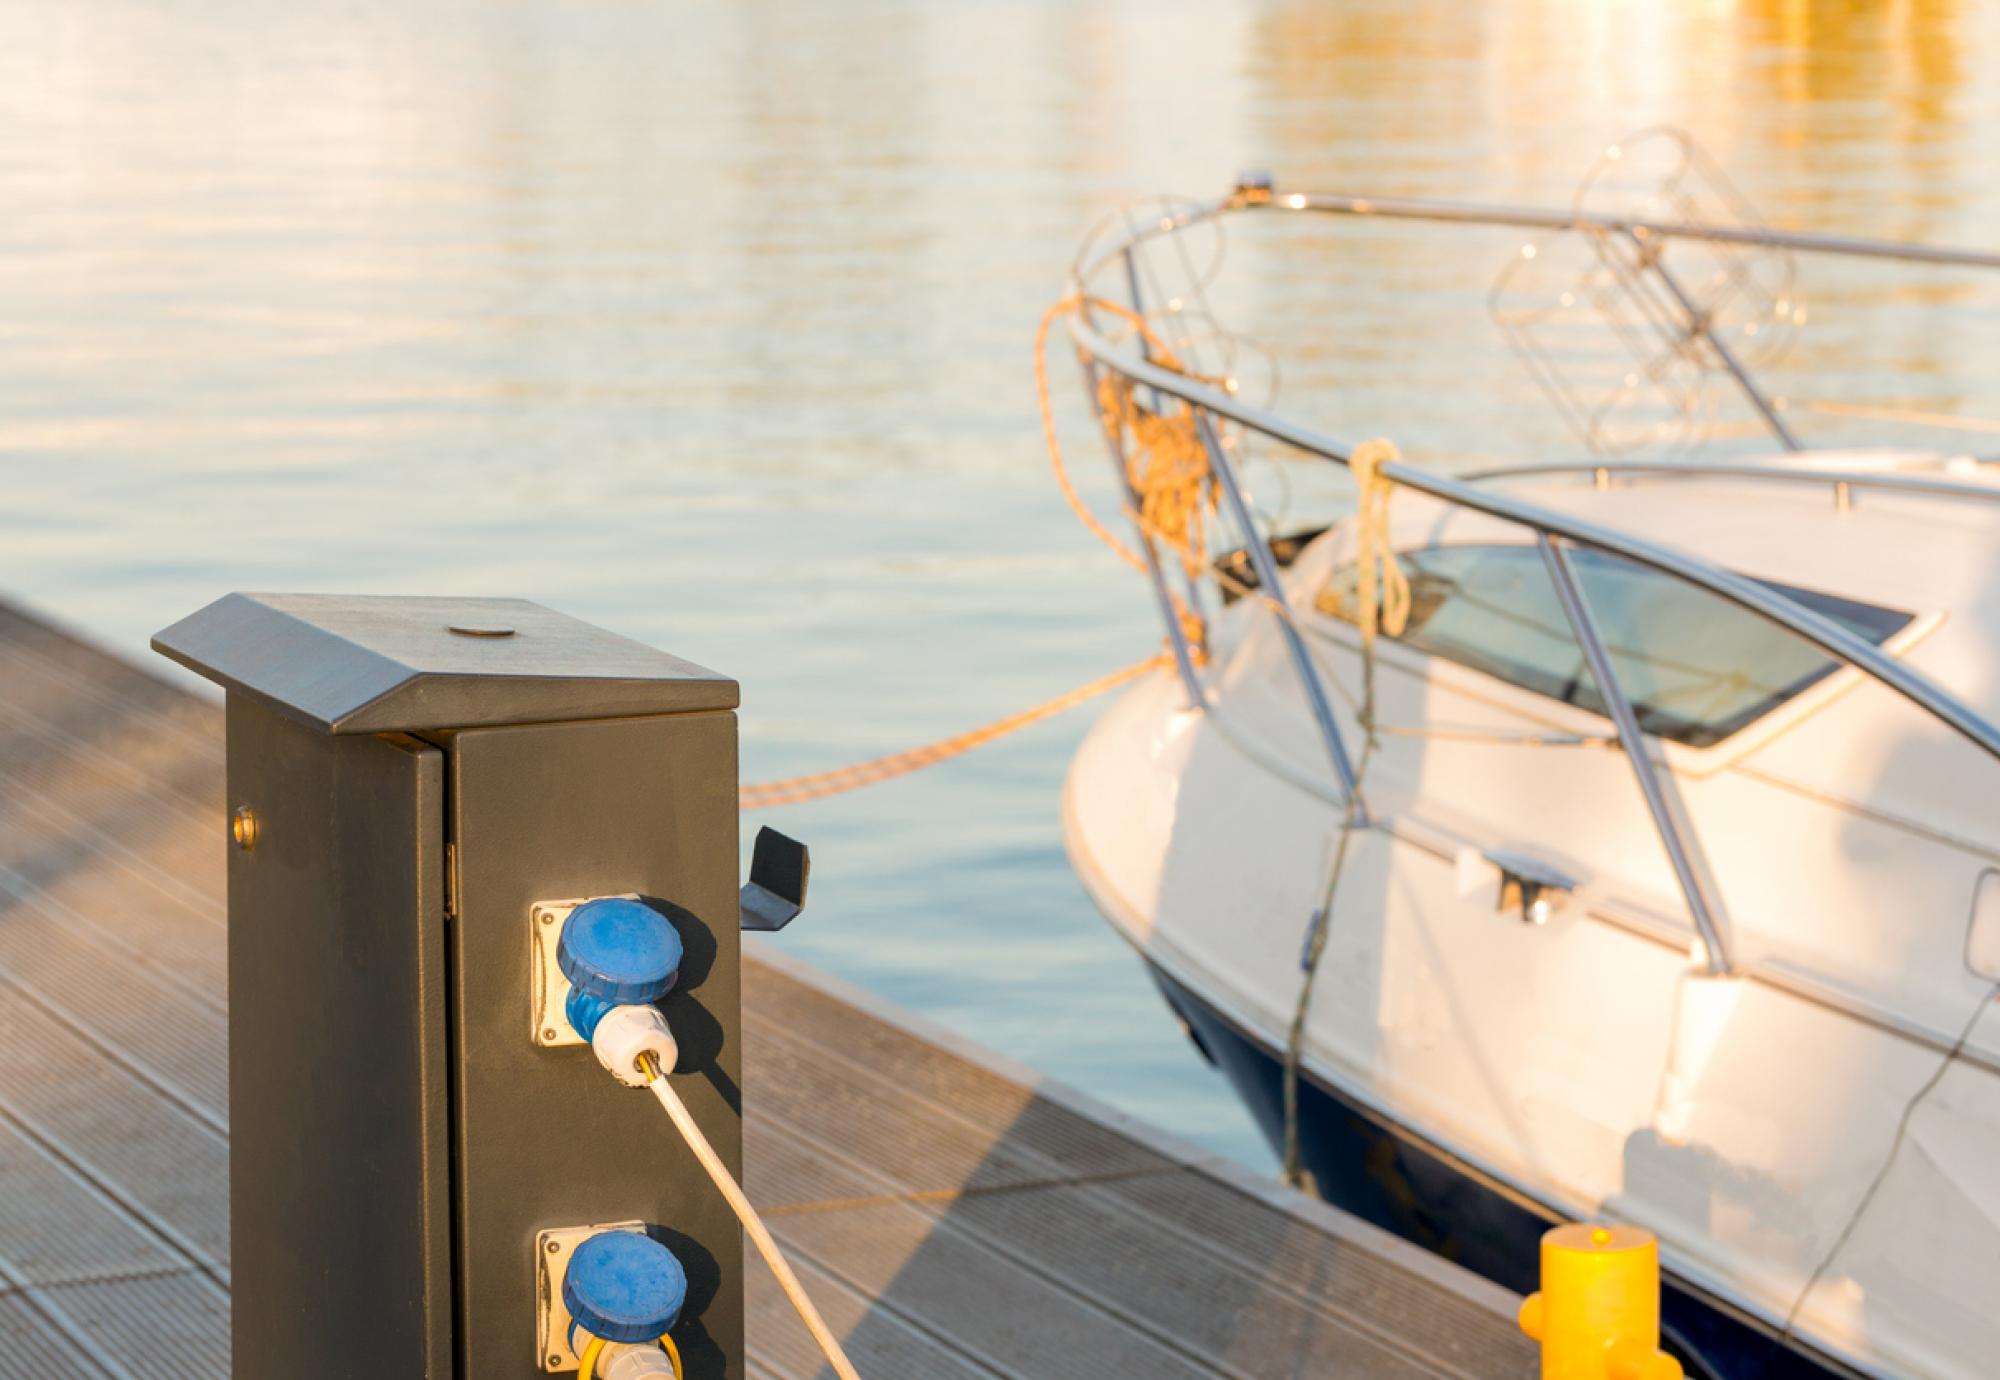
point(1696, 667)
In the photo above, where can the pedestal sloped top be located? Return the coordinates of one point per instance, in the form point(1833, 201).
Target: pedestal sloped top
point(354, 663)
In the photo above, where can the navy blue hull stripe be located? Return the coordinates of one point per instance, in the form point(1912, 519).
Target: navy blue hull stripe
point(1388, 1175)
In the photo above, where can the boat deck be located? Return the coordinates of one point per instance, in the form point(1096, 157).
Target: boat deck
point(953, 1215)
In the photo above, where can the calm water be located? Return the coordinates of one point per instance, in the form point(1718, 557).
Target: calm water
point(709, 322)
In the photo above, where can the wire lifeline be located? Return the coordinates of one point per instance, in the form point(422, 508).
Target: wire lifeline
point(753, 1224)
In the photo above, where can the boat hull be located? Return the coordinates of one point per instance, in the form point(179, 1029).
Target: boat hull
point(1391, 1177)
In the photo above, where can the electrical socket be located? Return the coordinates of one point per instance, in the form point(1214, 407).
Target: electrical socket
point(548, 989)
point(553, 1248)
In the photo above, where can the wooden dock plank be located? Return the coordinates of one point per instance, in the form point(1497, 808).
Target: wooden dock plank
point(166, 1168)
point(882, 1343)
point(155, 1327)
point(30, 1346)
point(953, 1215)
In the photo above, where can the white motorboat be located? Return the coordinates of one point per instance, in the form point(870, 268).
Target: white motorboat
point(1668, 859)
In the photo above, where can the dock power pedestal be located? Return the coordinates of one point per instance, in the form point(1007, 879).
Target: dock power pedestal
point(421, 791)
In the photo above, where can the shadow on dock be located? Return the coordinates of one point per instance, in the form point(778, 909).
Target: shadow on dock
point(953, 1215)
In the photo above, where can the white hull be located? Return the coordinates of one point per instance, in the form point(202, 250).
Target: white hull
point(1799, 1134)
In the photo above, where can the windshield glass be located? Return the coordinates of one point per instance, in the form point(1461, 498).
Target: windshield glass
point(1696, 667)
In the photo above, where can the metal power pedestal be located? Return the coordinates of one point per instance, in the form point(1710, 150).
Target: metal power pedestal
point(408, 779)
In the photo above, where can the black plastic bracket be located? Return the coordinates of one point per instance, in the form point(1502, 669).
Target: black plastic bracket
point(776, 891)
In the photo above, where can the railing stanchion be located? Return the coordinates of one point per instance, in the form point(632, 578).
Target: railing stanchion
point(1577, 608)
point(1269, 587)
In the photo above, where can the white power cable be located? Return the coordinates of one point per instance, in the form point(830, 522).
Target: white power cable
point(752, 1223)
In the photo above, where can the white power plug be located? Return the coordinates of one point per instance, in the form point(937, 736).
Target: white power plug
point(625, 1033)
point(636, 1363)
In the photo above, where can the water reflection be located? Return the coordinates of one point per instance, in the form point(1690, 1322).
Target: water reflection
point(710, 322)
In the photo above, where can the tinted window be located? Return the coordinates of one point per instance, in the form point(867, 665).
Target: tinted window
point(1696, 667)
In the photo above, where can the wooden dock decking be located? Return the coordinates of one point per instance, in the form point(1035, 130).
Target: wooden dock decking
point(953, 1215)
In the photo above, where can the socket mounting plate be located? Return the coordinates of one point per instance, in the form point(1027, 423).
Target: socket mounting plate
point(548, 989)
point(553, 1248)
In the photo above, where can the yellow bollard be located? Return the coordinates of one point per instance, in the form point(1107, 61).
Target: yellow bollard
point(1597, 1314)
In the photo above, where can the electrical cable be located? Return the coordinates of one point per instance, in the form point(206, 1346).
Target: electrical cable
point(753, 1224)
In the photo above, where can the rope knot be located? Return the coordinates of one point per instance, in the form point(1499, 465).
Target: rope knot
point(1381, 589)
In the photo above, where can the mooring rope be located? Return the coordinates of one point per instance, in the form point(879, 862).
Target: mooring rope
point(793, 789)
point(1172, 500)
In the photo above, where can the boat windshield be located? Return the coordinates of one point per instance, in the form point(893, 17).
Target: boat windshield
point(1696, 667)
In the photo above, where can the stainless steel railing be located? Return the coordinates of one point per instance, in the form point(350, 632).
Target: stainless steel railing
point(1554, 531)
point(1253, 196)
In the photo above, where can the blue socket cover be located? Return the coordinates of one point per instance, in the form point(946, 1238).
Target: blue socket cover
point(624, 1287)
point(620, 952)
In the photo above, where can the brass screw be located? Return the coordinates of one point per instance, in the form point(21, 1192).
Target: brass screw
point(549, 1033)
point(243, 828)
point(555, 1247)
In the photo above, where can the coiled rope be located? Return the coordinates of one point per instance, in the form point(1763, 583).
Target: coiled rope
point(1166, 465)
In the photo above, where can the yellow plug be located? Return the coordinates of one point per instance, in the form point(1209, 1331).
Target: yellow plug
point(1597, 1314)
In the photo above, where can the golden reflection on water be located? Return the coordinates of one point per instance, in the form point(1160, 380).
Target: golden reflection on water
point(710, 321)
point(1861, 119)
